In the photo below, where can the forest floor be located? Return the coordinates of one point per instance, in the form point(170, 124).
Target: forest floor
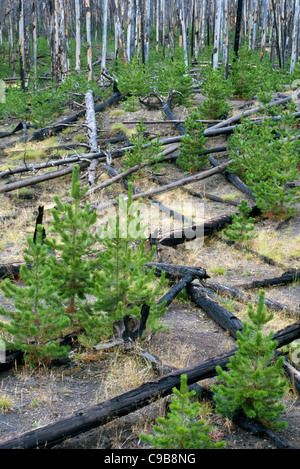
point(189, 335)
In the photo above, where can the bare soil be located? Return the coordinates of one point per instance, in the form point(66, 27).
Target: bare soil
point(45, 395)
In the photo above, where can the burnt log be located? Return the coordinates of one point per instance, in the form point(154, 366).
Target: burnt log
point(234, 179)
point(11, 271)
point(56, 128)
point(241, 247)
point(256, 428)
point(206, 228)
point(94, 416)
point(112, 173)
point(287, 277)
point(41, 178)
point(39, 221)
point(239, 295)
point(218, 313)
point(91, 124)
point(175, 272)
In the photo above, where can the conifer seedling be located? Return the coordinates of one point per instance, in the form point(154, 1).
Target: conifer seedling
point(145, 150)
point(123, 284)
point(192, 146)
point(71, 268)
point(242, 227)
point(182, 429)
point(254, 382)
point(39, 317)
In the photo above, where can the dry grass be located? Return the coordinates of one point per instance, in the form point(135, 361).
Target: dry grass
point(126, 372)
point(276, 245)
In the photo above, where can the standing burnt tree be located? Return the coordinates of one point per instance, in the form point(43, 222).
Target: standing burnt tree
point(192, 25)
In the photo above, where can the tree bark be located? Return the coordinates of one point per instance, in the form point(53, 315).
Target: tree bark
point(92, 134)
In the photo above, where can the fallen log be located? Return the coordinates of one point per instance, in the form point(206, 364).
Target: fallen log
point(137, 194)
point(233, 179)
point(94, 416)
point(129, 171)
point(239, 295)
point(241, 247)
point(286, 277)
point(56, 128)
point(176, 272)
point(218, 313)
point(169, 187)
point(41, 178)
point(256, 428)
point(202, 195)
point(190, 233)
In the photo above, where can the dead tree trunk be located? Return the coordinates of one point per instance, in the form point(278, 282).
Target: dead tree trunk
point(78, 36)
point(92, 134)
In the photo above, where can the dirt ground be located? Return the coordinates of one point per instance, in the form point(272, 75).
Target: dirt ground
point(42, 396)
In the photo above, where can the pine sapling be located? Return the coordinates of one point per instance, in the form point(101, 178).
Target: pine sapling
point(39, 317)
point(192, 147)
point(123, 285)
point(72, 270)
point(145, 150)
point(254, 382)
point(216, 92)
point(242, 227)
point(182, 429)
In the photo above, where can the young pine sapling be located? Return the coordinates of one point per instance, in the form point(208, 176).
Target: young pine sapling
point(254, 382)
point(39, 317)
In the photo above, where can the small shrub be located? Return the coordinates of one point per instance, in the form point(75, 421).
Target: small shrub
point(122, 285)
point(133, 78)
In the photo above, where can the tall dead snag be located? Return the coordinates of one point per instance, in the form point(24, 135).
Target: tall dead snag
point(104, 36)
point(94, 416)
point(237, 36)
point(295, 37)
point(92, 134)
point(184, 32)
point(89, 39)
point(119, 31)
point(217, 25)
point(78, 36)
point(22, 43)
